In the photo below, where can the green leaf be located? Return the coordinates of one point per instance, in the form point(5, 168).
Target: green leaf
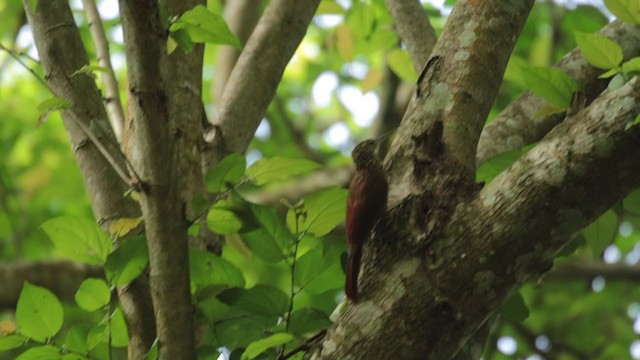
point(599, 50)
point(260, 300)
point(263, 245)
point(632, 65)
point(317, 272)
point(361, 19)
point(229, 170)
point(258, 347)
point(152, 354)
point(572, 246)
point(632, 202)
point(52, 104)
point(239, 332)
point(278, 168)
point(327, 7)
point(76, 339)
point(271, 238)
point(39, 313)
point(11, 342)
point(90, 70)
point(121, 227)
point(127, 262)
point(400, 62)
point(46, 352)
point(223, 217)
point(551, 84)
point(627, 10)
point(79, 239)
point(203, 25)
point(181, 38)
point(308, 320)
point(72, 357)
point(601, 232)
point(207, 269)
point(491, 168)
point(97, 334)
point(609, 73)
point(119, 332)
point(617, 82)
point(172, 44)
point(515, 309)
point(384, 39)
point(325, 209)
point(93, 294)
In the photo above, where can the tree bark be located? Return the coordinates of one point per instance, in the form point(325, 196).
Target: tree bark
point(450, 252)
point(156, 150)
point(62, 54)
point(257, 74)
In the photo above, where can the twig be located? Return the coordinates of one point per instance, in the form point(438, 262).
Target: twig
point(131, 181)
point(304, 346)
point(293, 275)
point(103, 150)
point(114, 105)
point(217, 198)
point(296, 134)
point(556, 346)
point(16, 57)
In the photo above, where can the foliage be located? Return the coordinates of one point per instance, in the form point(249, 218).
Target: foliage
point(280, 275)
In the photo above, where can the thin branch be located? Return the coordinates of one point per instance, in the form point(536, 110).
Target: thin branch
point(556, 346)
point(114, 105)
point(414, 28)
point(130, 181)
point(304, 346)
point(297, 135)
point(107, 155)
point(61, 277)
point(16, 57)
point(294, 261)
point(299, 187)
point(216, 199)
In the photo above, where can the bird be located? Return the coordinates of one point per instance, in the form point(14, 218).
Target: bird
point(366, 204)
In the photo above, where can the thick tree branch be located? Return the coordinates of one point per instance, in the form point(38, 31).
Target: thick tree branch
point(517, 125)
point(114, 105)
point(241, 16)
point(450, 274)
point(183, 82)
point(258, 72)
point(155, 151)
point(414, 29)
point(454, 95)
point(589, 270)
point(63, 278)
point(62, 54)
point(556, 348)
point(298, 188)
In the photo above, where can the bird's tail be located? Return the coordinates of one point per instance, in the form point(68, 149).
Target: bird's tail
point(353, 268)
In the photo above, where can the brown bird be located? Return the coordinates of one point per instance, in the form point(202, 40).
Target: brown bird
point(366, 204)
